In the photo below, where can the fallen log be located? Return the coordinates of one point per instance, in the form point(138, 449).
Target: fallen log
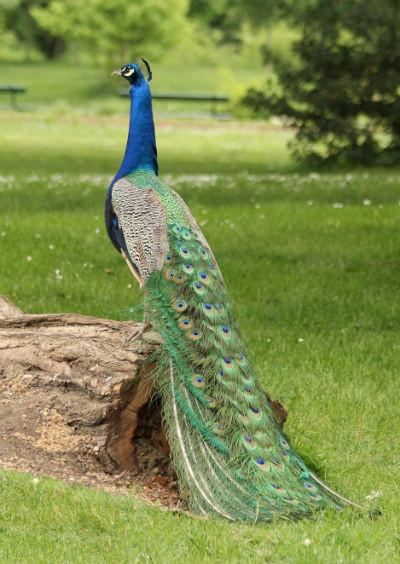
point(75, 397)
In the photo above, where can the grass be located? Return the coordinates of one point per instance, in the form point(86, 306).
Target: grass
point(67, 85)
point(311, 260)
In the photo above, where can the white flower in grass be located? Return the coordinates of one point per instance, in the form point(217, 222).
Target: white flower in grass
point(300, 340)
point(35, 481)
point(51, 247)
point(374, 494)
point(337, 205)
point(307, 542)
point(3, 233)
point(366, 202)
point(310, 202)
point(97, 230)
point(58, 274)
point(29, 258)
point(129, 286)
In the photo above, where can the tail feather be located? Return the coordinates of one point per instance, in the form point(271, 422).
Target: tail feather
point(230, 454)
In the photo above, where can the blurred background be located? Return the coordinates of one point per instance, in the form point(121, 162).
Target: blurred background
point(330, 71)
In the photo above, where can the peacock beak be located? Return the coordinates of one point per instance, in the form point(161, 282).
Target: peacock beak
point(117, 72)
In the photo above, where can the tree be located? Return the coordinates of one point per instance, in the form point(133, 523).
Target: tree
point(115, 30)
point(17, 18)
point(227, 16)
point(342, 89)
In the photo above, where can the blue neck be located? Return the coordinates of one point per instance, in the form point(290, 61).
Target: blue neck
point(141, 150)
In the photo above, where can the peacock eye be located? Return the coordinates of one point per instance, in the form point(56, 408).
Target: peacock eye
point(198, 381)
point(128, 71)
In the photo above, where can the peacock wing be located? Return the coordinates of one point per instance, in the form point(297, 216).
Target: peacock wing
point(142, 225)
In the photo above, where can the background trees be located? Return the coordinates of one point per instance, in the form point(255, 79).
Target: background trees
point(333, 68)
point(342, 88)
point(113, 30)
point(16, 17)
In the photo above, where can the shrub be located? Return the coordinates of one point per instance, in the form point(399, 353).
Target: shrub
point(342, 89)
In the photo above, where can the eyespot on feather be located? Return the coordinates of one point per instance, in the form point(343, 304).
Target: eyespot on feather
point(180, 305)
point(187, 268)
point(169, 274)
point(194, 335)
point(203, 253)
point(176, 229)
point(203, 277)
point(186, 235)
point(249, 442)
point(198, 381)
point(255, 413)
point(262, 464)
point(185, 323)
point(184, 251)
point(199, 288)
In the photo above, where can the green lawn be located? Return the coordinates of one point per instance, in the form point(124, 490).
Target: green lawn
point(67, 85)
point(312, 263)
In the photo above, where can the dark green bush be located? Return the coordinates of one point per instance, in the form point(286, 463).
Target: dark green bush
point(342, 89)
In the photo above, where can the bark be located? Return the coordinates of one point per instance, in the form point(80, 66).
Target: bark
point(75, 387)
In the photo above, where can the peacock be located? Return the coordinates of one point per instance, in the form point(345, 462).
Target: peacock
point(229, 452)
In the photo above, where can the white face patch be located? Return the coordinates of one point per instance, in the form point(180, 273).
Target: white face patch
point(129, 72)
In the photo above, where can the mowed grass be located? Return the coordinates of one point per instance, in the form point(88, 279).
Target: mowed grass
point(312, 263)
point(64, 84)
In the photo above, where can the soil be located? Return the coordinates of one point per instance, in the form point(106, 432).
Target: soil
point(54, 449)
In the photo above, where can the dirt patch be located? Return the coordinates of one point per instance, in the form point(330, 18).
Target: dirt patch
point(43, 443)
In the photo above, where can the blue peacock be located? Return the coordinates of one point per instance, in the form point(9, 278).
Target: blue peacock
point(229, 452)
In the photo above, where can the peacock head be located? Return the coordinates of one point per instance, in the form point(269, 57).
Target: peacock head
point(134, 72)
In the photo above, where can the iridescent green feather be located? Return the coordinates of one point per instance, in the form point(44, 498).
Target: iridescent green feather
point(231, 457)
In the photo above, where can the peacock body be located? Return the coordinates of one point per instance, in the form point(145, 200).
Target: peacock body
point(231, 456)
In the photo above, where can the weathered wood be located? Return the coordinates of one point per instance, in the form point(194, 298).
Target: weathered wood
point(71, 391)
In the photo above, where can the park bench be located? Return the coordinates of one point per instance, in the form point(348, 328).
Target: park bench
point(13, 91)
point(212, 99)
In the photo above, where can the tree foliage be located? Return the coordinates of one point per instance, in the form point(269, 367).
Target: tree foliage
point(228, 16)
point(342, 89)
point(16, 17)
point(116, 30)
